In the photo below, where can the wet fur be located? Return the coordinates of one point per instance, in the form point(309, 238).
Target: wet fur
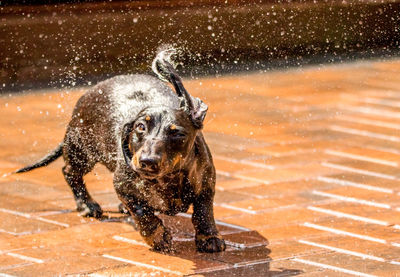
point(102, 130)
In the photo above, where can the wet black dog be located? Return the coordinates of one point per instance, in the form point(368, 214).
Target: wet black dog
point(151, 139)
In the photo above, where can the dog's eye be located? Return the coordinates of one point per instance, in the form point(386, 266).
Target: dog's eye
point(140, 127)
point(178, 134)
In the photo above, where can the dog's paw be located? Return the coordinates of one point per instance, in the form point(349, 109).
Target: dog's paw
point(89, 209)
point(210, 244)
point(160, 240)
point(164, 244)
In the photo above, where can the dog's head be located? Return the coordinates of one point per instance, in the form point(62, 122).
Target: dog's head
point(159, 139)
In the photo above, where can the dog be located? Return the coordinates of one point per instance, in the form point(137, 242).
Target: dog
point(151, 139)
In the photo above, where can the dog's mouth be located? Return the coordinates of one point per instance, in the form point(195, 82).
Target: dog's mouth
point(148, 174)
point(151, 175)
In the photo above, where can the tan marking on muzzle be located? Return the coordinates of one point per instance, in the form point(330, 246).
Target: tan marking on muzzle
point(135, 160)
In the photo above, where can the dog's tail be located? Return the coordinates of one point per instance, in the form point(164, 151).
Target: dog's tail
point(51, 157)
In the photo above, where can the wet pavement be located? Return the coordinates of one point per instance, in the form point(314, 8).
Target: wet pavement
point(308, 182)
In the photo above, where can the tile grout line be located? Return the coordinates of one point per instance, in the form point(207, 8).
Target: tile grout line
point(349, 252)
point(52, 213)
point(371, 122)
point(343, 251)
point(353, 184)
point(372, 111)
point(130, 241)
point(350, 234)
point(352, 199)
point(26, 215)
point(15, 266)
point(341, 232)
point(15, 233)
point(51, 221)
point(142, 264)
point(25, 258)
point(241, 177)
point(364, 133)
point(359, 171)
point(334, 268)
point(227, 206)
point(287, 207)
point(377, 101)
point(349, 216)
point(244, 162)
point(360, 157)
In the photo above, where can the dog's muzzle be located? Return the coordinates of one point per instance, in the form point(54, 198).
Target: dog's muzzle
point(148, 166)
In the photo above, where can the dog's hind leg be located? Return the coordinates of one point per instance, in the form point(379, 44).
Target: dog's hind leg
point(85, 204)
point(77, 164)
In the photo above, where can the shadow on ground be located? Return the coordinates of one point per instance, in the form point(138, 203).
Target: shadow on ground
point(247, 253)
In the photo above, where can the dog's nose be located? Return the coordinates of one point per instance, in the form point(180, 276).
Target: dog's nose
point(149, 164)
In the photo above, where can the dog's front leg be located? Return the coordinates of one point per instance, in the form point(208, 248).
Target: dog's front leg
point(150, 227)
point(207, 237)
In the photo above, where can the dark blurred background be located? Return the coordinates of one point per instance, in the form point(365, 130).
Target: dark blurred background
point(68, 43)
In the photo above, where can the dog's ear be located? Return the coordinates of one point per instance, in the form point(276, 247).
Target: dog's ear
point(126, 132)
point(198, 112)
point(196, 108)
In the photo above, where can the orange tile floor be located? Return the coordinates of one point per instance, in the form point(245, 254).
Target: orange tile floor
point(308, 182)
